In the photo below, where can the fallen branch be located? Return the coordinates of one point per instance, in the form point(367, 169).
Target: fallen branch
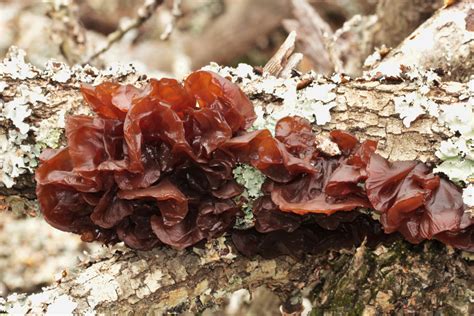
point(398, 19)
point(445, 42)
point(175, 14)
point(365, 108)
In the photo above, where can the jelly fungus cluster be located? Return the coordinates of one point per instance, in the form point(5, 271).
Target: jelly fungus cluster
point(154, 166)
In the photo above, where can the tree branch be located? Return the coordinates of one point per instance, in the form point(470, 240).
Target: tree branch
point(315, 35)
point(398, 278)
point(144, 14)
point(445, 41)
point(398, 19)
point(365, 108)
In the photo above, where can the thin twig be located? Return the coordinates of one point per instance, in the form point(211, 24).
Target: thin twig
point(144, 14)
point(176, 14)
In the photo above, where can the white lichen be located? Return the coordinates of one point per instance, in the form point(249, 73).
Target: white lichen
point(118, 69)
point(85, 74)
point(412, 105)
point(458, 170)
point(49, 131)
point(457, 153)
point(386, 70)
point(18, 109)
point(62, 305)
point(371, 60)
point(16, 156)
point(459, 117)
point(456, 147)
point(15, 67)
point(13, 305)
point(313, 103)
point(57, 71)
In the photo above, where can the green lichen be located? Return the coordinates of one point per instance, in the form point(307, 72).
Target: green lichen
point(457, 153)
point(50, 131)
point(251, 179)
point(457, 169)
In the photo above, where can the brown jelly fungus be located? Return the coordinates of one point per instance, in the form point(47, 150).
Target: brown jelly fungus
point(154, 166)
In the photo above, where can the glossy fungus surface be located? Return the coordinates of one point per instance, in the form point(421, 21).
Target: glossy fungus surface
point(154, 165)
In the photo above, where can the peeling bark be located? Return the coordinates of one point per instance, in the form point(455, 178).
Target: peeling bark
point(314, 35)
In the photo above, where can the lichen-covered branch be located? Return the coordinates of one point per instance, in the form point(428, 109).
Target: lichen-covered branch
point(395, 278)
point(35, 103)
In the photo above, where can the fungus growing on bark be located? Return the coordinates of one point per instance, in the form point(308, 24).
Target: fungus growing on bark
point(155, 166)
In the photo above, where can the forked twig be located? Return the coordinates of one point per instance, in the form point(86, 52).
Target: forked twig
point(144, 14)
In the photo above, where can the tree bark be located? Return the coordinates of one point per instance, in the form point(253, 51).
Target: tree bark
point(398, 19)
point(314, 35)
point(399, 278)
point(445, 41)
